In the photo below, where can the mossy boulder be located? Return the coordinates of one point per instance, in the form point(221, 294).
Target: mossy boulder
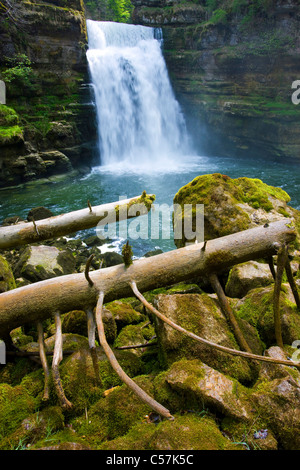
point(33, 428)
point(278, 402)
point(200, 387)
point(40, 262)
point(187, 432)
point(115, 414)
point(15, 405)
point(124, 314)
point(76, 322)
point(132, 335)
point(257, 309)
point(79, 379)
point(230, 205)
point(200, 314)
point(7, 280)
point(246, 276)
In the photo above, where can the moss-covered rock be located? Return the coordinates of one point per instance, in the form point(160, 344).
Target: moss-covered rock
point(257, 309)
point(40, 262)
point(7, 280)
point(201, 315)
point(124, 314)
point(15, 405)
point(33, 428)
point(188, 432)
point(230, 205)
point(79, 379)
point(201, 387)
point(132, 335)
point(114, 415)
point(246, 276)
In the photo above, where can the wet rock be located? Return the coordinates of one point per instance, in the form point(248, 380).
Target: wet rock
point(112, 259)
point(153, 253)
point(246, 276)
point(12, 220)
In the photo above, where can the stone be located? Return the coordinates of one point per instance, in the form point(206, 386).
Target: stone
point(7, 280)
point(201, 315)
point(112, 259)
point(277, 401)
point(153, 253)
point(246, 276)
point(204, 387)
point(124, 314)
point(39, 213)
point(257, 309)
point(42, 262)
point(230, 205)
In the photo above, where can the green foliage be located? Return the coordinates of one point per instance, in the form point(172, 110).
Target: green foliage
point(110, 10)
point(19, 71)
point(219, 17)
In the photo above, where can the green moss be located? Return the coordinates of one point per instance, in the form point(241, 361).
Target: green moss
point(10, 134)
point(145, 200)
point(8, 116)
point(15, 405)
point(123, 313)
point(7, 280)
point(188, 432)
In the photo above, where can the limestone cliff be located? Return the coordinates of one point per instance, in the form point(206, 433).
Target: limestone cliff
point(232, 66)
point(43, 62)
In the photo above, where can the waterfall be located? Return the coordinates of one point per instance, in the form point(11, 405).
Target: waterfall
point(139, 120)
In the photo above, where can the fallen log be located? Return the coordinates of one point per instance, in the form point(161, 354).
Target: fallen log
point(64, 224)
point(62, 294)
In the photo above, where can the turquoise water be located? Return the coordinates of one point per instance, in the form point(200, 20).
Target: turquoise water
point(107, 184)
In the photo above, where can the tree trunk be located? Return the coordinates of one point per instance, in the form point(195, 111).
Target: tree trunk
point(57, 226)
point(72, 292)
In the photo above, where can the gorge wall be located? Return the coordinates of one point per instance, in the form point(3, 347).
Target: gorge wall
point(232, 69)
point(48, 124)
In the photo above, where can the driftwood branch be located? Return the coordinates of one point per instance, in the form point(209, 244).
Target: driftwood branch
point(91, 325)
point(292, 282)
point(282, 258)
point(57, 226)
point(118, 369)
point(57, 358)
point(219, 347)
point(43, 359)
point(72, 292)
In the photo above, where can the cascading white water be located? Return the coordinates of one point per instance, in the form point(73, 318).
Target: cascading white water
point(140, 121)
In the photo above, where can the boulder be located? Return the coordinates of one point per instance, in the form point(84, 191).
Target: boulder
point(7, 280)
point(187, 432)
point(39, 213)
point(246, 276)
point(41, 262)
point(124, 314)
point(202, 387)
point(257, 309)
point(200, 314)
point(231, 205)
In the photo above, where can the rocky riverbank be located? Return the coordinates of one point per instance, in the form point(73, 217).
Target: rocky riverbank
point(219, 401)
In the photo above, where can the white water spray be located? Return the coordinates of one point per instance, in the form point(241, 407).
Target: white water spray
point(139, 120)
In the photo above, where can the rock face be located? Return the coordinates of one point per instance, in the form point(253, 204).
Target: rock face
point(232, 71)
point(47, 126)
